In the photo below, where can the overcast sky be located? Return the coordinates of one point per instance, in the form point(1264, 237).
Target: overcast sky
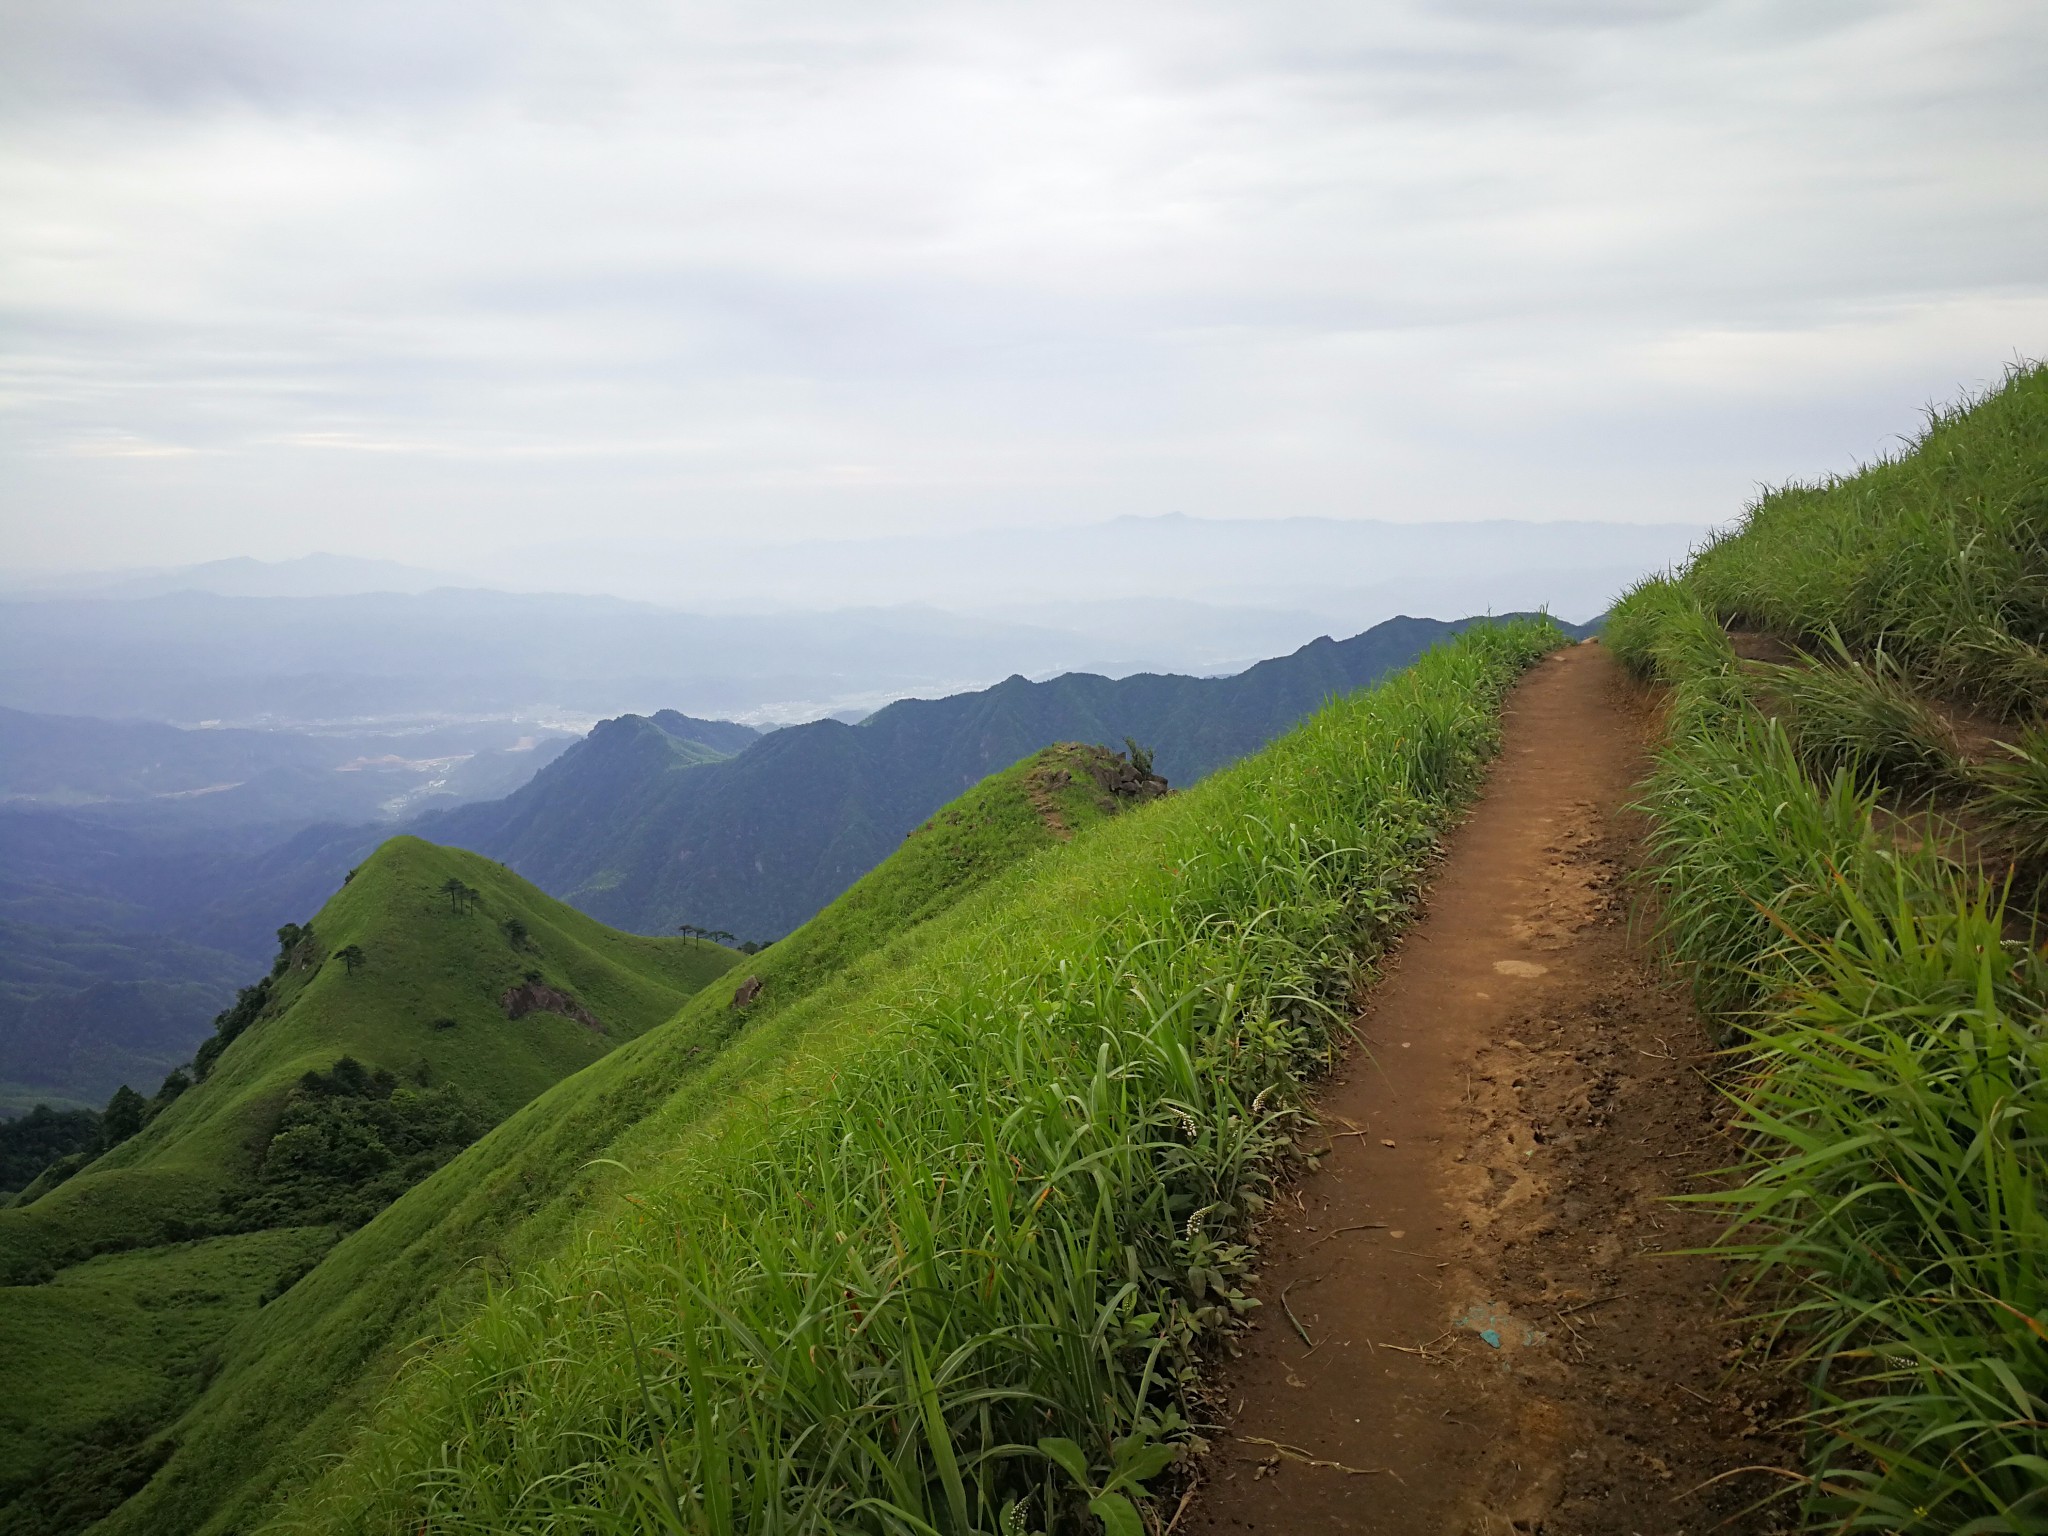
point(406, 277)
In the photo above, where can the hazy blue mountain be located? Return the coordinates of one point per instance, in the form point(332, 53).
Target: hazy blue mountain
point(645, 824)
point(317, 575)
point(144, 868)
point(84, 1010)
point(145, 773)
point(1341, 574)
point(456, 654)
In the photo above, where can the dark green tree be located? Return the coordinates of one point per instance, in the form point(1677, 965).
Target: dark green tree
point(126, 1111)
point(515, 932)
point(32, 1142)
point(454, 890)
point(350, 956)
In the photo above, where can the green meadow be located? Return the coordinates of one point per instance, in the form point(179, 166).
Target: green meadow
point(304, 1324)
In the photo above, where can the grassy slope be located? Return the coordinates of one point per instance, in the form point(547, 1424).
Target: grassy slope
point(985, 1184)
point(425, 963)
point(1895, 1081)
point(295, 1375)
point(129, 1333)
point(1938, 555)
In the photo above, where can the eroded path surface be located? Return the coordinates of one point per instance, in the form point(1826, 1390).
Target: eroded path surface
point(1497, 1345)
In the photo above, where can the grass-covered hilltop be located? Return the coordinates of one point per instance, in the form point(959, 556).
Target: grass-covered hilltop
point(917, 1220)
point(431, 997)
point(1851, 813)
point(938, 1247)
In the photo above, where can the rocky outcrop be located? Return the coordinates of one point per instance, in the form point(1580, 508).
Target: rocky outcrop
point(539, 997)
point(1121, 779)
point(1119, 782)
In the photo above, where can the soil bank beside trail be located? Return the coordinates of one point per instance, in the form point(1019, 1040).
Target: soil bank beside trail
point(1494, 1343)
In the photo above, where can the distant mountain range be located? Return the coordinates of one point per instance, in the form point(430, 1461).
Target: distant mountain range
point(629, 827)
point(770, 633)
point(146, 772)
point(318, 575)
point(1341, 574)
point(349, 661)
point(122, 925)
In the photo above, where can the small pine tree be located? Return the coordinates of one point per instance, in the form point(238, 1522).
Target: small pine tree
point(350, 956)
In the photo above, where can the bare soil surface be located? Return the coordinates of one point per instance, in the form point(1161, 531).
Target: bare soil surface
point(1470, 1324)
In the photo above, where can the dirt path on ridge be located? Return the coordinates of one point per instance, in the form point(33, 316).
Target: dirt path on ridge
point(1497, 1347)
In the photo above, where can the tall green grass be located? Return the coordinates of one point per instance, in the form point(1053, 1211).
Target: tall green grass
point(1902, 1091)
point(1892, 1077)
point(1858, 712)
point(954, 1267)
point(2011, 796)
point(1939, 555)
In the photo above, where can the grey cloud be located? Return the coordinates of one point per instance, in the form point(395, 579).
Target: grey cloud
point(434, 273)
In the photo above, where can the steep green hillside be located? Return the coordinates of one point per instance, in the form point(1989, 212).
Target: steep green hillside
point(1851, 870)
point(758, 844)
point(292, 1378)
point(432, 996)
point(950, 1231)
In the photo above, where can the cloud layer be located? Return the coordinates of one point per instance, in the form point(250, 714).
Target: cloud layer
point(417, 279)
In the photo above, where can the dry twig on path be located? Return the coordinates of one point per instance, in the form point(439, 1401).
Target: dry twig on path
point(1311, 1343)
point(1296, 1453)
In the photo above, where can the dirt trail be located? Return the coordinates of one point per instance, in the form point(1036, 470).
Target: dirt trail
point(1497, 1347)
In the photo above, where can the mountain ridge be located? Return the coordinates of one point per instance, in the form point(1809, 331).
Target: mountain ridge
point(759, 842)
